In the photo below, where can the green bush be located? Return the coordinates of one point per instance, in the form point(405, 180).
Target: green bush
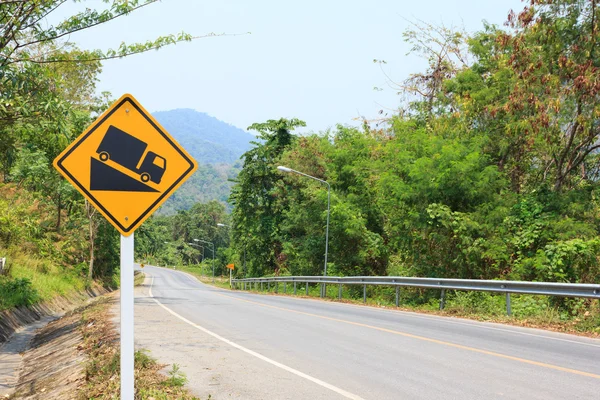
point(16, 293)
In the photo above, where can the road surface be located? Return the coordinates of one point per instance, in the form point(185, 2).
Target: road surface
point(234, 344)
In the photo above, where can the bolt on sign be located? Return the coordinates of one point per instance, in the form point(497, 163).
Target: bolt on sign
point(125, 164)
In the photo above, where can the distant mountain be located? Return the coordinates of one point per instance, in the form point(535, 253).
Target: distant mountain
point(215, 145)
point(207, 139)
point(209, 182)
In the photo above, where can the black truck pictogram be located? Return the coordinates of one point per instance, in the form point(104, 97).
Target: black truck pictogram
point(127, 151)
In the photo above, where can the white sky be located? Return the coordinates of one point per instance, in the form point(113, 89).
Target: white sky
point(307, 59)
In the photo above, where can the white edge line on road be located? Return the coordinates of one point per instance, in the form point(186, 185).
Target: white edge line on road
point(447, 320)
point(319, 382)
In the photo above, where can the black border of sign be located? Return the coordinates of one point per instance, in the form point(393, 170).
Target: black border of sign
point(166, 193)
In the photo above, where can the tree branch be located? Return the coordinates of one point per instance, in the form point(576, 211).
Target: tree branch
point(120, 55)
point(90, 25)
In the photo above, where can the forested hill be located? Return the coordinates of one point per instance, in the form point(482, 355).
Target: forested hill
point(207, 139)
point(216, 146)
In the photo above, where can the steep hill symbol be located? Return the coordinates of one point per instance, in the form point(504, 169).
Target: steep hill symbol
point(104, 177)
point(127, 151)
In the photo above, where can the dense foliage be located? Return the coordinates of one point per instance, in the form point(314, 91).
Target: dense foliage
point(187, 237)
point(490, 169)
point(489, 172)
point(52, 238)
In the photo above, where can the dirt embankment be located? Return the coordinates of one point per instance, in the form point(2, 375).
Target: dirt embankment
point(77, 357)
point(13, 320)
point(53, 367)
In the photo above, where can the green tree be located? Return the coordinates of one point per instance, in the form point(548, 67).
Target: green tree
point(256, 217)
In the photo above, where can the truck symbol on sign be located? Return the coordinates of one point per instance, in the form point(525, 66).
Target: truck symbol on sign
point(127, 151)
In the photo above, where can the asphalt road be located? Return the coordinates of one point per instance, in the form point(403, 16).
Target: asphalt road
point(279, 347)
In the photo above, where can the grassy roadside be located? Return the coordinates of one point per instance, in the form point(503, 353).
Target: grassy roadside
point(529, 311)
point(220, 281)
point(34, 280)
point(43, 261)
point(102, 375)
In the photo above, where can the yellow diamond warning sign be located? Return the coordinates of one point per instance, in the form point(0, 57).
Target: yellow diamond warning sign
point(125, 164)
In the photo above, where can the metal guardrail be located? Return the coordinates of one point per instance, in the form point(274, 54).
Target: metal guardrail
point(582, 290)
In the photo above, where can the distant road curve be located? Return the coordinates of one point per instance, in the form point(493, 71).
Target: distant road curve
point(304, 348)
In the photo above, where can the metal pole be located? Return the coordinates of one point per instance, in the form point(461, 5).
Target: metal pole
point(284, 287)
point(286, 169)
point(230, 278)
point(397, 295)
point(294, 288)
point(127, 382)
point(340, 292)
point(213, 249)
point(508, 309)
point(307, 288)
point(327, 231)
point(364, 293)
point(443, 299)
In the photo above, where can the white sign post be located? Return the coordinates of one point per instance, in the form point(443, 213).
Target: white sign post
point(100, 163)
point(127, 351)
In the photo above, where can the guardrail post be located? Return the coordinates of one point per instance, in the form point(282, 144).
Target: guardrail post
point(364, 293)
point(508, 310)
point(340, 292)
point(443, 299)
point(276, 286)
point(307, 288)
point(294, 288)
point(323, 289)
point(284, 287)
point(397, 296)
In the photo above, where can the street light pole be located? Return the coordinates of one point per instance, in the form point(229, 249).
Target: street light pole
point(213, 251)
point(244, 260)
point(289, 170)
point(230, 270)
point(202, 247)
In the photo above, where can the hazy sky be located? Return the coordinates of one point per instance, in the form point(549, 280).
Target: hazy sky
point(307, 59)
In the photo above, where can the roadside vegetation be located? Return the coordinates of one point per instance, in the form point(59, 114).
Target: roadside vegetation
point(102, 370)
point(488, 170)
point(578, 317)
point(41, 262)
point(55, 243)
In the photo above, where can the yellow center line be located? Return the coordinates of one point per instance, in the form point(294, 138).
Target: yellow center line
point(423, 338)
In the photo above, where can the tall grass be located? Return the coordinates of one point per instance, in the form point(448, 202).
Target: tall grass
point(32, 279)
